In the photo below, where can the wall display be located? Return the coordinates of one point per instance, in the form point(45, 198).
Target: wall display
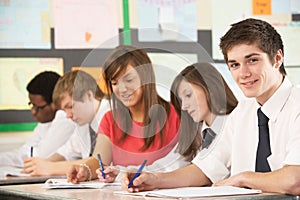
point(15, 74)
point(85, 24)
point(167, 66)
point(24, 24)
point(169, 21)
point(278, 13)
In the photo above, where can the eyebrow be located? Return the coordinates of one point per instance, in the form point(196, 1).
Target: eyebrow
point(247, 56)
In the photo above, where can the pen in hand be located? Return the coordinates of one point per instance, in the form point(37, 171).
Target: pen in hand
point(101, 165)
point(137, 174)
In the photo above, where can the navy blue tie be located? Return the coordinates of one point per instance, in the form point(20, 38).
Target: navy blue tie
point(263, 149)
point(208, 136)
point(93, 137)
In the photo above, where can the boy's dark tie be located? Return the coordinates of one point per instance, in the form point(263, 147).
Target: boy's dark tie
point(263, 149)
point(93, 140)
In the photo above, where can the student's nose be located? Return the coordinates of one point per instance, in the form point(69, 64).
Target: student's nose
point(122, 86)
point(33, 112)
point(184, 105)
point(244, 71)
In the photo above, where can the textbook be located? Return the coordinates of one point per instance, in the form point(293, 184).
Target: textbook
point(192, 192)
point(63, 183)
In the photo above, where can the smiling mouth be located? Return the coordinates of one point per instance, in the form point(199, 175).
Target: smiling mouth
point(249, 83)
point(126, 97)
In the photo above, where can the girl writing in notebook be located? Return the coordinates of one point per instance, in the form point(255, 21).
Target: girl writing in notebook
point(202, 99)
point(141, 125)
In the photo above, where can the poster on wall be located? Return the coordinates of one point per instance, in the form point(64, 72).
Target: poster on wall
point(170, 20)
point(277, 12)
point(85, 24)
point(24, 24)
point(171, 64)
point(16, 73)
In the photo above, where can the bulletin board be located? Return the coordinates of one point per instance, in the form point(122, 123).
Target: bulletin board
point(180, 31)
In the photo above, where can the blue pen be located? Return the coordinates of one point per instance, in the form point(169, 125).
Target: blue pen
point(101, 165)
point(137, 174)
point(31, 151)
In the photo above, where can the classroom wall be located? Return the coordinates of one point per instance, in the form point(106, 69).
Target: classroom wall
point(75, 33)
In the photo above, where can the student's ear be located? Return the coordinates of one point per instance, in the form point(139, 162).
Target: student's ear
point(90, 95)
point(278, 58)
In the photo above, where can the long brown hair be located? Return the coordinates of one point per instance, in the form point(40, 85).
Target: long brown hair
point(116, 63)
point(219, 97)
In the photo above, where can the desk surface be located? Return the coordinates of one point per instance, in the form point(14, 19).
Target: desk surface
point(24, 180)
point(36, 191)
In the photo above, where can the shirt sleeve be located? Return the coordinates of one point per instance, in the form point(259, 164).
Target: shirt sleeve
point(170, 162)
point(57, 135)
point(105, 124)
point(216, 164)
point(76, 147)
point(293, 145)
point(15, 157)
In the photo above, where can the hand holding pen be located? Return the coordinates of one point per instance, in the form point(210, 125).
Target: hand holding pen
point(137, 174)
point(101, 166)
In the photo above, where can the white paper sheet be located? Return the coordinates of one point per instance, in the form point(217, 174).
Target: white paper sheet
point(11, 171)
point(63, 183)
point(190, 192)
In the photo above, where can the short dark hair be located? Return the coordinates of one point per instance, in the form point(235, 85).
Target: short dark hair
point(43, 84)
point(253, 31)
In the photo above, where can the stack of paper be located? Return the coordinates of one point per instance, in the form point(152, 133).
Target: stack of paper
point(63, 183)
point(190, 192)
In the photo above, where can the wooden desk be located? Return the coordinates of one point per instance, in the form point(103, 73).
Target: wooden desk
point(25, 180)
point(36, 191)
point(9, 180)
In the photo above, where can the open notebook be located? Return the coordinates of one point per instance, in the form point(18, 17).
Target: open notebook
point(63, 183)
point(191, 192)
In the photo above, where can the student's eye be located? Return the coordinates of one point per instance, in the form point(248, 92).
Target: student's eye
point(114, 82)
point(129, 80)
point(188, 95)
point(252, 60)
point(233, 65)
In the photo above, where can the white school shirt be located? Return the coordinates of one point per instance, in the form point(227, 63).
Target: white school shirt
point(237, 146)
point(79, 145)
point(47, 139)
point(174, 160)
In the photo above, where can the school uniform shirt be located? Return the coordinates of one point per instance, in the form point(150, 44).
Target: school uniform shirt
point(47, 139)
point(128, 152)
point(236, 149)
point(79, 145)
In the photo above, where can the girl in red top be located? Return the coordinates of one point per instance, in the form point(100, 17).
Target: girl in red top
point(141, 125)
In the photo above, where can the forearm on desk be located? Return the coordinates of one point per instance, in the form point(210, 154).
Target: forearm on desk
point(285, 180)
point(61, 167)
point(187, 176)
